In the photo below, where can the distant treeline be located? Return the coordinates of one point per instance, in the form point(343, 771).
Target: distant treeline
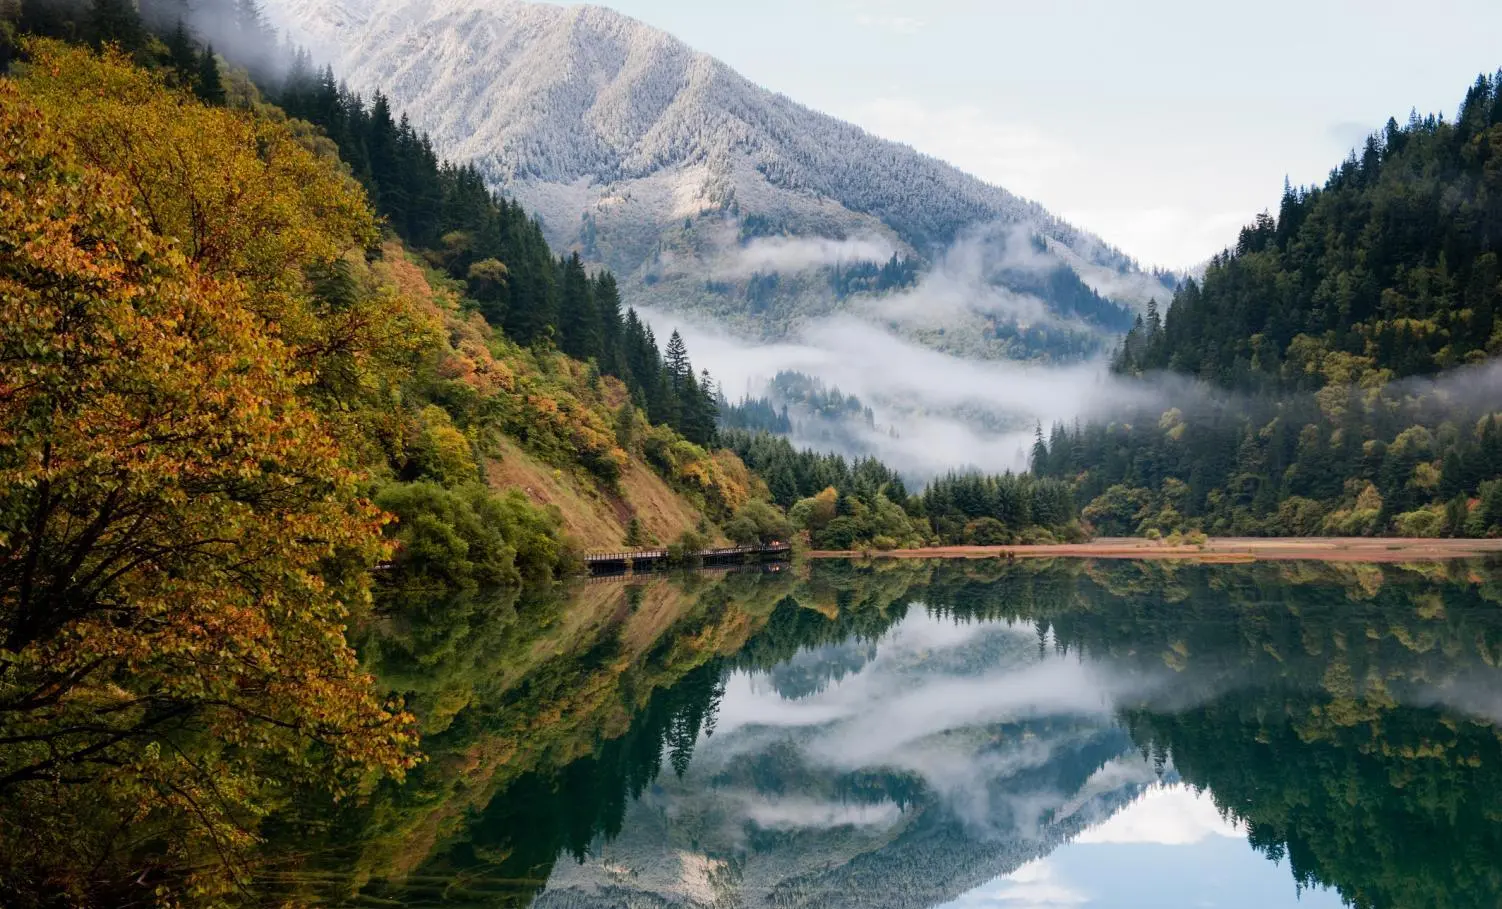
point(850, 504)
point(1390, 271)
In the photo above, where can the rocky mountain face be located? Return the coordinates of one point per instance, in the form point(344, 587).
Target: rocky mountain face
point(707, 193)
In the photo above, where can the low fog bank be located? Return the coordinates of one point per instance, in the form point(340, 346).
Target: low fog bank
point(936, 412)
point(782, 255)
point(967, 282)
point(929, 406)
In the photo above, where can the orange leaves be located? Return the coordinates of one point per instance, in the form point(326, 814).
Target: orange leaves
point(243, 199)
point(238, 191)
point(181, 537)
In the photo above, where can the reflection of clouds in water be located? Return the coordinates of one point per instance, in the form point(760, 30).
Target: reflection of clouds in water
point(750, 701)
point(929, 703)
point(888, 712)
point(1036, 885)
point(1169, 815)
point(1476, 695)
point(1128, 770)
point(802, 813)
point(915, 688)
point(1165, 815)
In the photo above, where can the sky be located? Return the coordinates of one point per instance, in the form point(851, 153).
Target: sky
point(1161, 125)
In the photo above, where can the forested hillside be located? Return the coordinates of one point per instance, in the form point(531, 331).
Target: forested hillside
point(1389, 270)
point(1324, 326)
point(270, 382)
point(232, 408)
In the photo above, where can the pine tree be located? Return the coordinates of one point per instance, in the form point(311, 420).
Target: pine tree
point(676, 358)
point(607, 297)
point(210, 85)
point(182, 56)
point(580, 333)
point(116, 22)
point(636, 535)
point(1039, 460)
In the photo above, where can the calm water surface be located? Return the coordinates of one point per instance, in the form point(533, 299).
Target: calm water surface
point(939, 735)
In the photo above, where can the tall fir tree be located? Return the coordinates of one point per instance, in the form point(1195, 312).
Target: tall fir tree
point(210, 82)
point(116, 22)
point(182, 56)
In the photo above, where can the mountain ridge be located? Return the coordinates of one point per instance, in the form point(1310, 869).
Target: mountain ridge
point(682, 161)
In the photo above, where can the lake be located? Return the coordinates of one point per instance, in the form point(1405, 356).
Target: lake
point(931, 734)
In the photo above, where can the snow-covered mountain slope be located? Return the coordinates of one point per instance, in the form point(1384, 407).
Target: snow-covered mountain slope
point(688, 180)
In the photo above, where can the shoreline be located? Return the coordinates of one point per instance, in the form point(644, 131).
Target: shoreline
point(1218, 550)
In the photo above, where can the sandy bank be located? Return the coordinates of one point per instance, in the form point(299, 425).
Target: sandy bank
point(1225, 549)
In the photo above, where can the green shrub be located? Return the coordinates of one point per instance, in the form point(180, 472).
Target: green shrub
point(758, 523)
point(1037, 536)
point(987, 532)
point(685, 549)
point(1428, 522)
point(840, 534)
point(469, 536)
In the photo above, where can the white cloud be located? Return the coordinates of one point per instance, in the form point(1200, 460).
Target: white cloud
point(795, 813)
point(900, 25)
point(1015, 156)
point(1175, 235)
point(790, 255)
point(1166, 815)
point(1036, 885)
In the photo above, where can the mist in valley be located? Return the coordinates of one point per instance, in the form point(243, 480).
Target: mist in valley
point(934, 411)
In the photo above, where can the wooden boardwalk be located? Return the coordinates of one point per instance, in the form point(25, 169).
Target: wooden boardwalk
point(647, 560)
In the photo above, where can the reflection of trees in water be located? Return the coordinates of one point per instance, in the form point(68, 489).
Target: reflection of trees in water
point(541, 721)
point(1320, 732)
point(561, 810)
point(1397, 812)
point(1299, 728)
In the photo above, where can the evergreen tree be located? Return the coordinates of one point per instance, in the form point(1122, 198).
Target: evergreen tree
point(116, 22)
point(676, 359)
point(182, 56)
point(580, 334)
point(636, 535)
point(210, 84)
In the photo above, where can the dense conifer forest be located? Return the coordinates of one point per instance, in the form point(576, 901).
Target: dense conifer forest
point(1346, 338)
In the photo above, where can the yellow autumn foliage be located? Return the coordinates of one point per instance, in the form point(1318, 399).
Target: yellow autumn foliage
point(181, 539)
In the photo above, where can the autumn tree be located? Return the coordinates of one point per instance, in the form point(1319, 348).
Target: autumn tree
point(182, 538)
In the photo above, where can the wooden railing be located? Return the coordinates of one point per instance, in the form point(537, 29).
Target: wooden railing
point(643, 554)
point(651, 559)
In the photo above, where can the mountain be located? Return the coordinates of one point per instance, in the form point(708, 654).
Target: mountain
point(708, 193)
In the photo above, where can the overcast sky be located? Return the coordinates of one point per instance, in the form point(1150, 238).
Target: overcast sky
point(1162, 125)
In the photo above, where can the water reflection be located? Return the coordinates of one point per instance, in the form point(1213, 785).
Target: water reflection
point(918, 735)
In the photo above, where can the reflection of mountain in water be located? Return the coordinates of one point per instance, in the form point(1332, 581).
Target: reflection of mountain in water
point(913, 770)
point(897, 735)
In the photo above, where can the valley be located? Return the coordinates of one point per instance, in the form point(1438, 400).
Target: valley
point(348, 349)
